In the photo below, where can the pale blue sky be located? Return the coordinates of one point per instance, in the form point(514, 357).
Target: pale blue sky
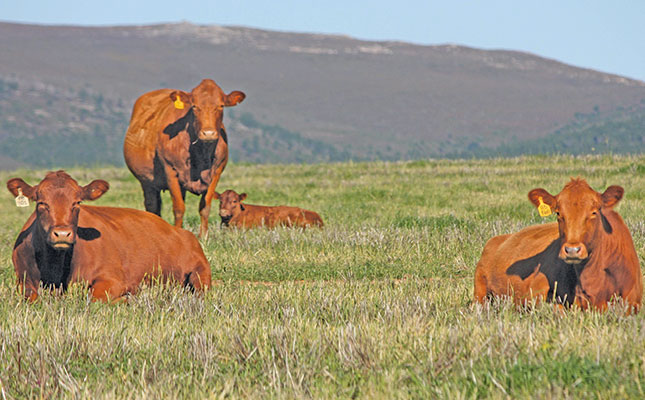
point(605, 35)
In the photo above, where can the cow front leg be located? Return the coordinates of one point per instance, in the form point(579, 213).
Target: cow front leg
point(207, 199)
point(27, 274)
point(152, 199)
point(177, 195)
point(28, 288)
point(107, 290)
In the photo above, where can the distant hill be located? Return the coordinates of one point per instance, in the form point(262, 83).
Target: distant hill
point(66, 94)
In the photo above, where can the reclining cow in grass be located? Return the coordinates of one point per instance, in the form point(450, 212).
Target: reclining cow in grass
point(112, 250)
point(176, 141)
point(234, 213)
point(587, 258)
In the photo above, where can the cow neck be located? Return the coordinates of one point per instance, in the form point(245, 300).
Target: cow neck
point(608, 250)
point(606, 259)
point(191, 129)
point(226, 220)
point(242, 213)
point(202, 156)
point(183, 123)
point(54, 265)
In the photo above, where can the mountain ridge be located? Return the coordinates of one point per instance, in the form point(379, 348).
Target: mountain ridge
point(365, 99)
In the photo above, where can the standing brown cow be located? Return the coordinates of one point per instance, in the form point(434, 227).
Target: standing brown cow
point(234, 213)
point(176, 141)
point(586, 258)
point(110, 249)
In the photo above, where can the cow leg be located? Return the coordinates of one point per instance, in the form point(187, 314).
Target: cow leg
point(177, 195)
point(27, 273)
point(204, 212)
point(107, 290)
point(633, 298)
point(152, 199)
point(28, 288)
point(536, 291)
point(207, 199)
point(200, 277)
point(481, 289)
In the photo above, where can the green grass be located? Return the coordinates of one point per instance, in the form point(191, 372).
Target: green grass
point(378, 304)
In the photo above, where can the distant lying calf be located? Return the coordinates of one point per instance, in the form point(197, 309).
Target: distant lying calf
point(234, 213)
point(110, 249)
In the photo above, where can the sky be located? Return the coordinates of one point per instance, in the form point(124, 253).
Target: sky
point(605, 35)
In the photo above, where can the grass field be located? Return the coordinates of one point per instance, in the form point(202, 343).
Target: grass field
point(378, 304)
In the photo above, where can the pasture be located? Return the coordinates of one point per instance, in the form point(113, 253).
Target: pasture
point(378, 304)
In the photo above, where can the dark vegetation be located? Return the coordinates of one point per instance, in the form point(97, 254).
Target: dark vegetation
point(44, 126)
point(47, 126)
point(620, 131)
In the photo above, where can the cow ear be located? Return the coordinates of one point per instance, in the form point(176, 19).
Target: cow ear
point(612, 196)
point(27, 190)
point(242, 196)
point(547, 198)
point(234, 98)
point(216, 195)
point(94, 189)
point(182, 101)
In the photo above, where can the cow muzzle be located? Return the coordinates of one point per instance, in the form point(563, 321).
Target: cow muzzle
point(573, 253)
point(208, 136)
point(61, 238)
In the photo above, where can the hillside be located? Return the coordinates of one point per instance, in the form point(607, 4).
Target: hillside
point(310, 97)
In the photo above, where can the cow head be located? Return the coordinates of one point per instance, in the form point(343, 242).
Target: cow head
point(230, 204)
point(580, 216)
point(206, 102)
point(57, 198)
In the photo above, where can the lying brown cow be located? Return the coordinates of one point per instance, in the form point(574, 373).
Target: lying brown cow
point(110, 249)
point(176, 141)
point(586, 258)
point(234, 213)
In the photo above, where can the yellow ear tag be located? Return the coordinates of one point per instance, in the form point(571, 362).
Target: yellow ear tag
point(21, 199)
point(543, 208)
point(179, 104)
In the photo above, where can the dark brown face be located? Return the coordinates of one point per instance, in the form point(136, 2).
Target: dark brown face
point(230, 204)
point(208, 101)
point(58, 198)
point(580, 216)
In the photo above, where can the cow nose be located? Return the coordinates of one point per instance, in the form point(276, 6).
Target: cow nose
point(572, 251)
point(62, 233)
point(209, 133)
point(61, 237)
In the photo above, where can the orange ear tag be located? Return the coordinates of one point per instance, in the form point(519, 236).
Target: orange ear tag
point(21, 199)
point(179, 104)
point(543, 208)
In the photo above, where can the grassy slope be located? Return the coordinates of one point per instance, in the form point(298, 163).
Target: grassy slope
point(378, 304)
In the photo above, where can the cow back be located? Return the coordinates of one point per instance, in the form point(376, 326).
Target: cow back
point(149, 116)
point(132, 244)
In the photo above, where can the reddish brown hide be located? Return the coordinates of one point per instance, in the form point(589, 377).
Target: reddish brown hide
point(587, 258)
point(234, 213)
point(110, 249)
point(176, 141)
